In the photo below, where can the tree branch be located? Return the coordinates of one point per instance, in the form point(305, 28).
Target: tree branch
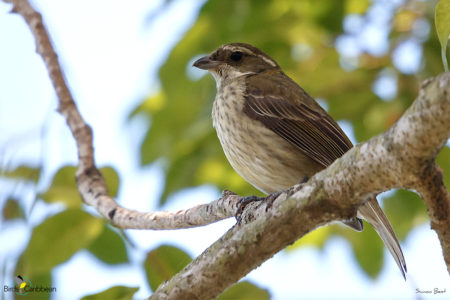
point(90, 181)
point(402, 157)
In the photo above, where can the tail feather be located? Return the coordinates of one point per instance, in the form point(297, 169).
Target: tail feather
point(373, 214)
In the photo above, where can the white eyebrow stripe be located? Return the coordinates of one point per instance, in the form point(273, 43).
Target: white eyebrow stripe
point(237, 48)
point(248, 51)
point(269, 61)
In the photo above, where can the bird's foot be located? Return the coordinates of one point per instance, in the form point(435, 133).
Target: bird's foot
point(244, 201)
point(299, 184)
point(271, 198)
point(303, 180)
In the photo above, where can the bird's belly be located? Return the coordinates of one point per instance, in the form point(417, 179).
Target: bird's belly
point(259, 155)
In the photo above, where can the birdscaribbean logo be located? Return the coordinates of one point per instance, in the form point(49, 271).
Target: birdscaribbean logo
point(23, 285)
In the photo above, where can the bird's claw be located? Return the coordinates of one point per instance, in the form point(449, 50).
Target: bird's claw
point(244, 201)
point(270, 199)
point(303, 180)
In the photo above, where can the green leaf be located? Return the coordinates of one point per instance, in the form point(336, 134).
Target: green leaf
point(405, 209)
point(22, 172)
point(356, 6)
point(164, 262)
point(442, 22)
point(109, 247)
point(330, 14)
point(12, 210)
point(367, 248)
point(315, 238)
point(57, 238)
point(63, 188)
point(112, 180)
point(116, 292)
point(246, 291)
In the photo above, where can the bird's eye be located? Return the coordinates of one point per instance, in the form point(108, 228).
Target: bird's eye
point(236, 56)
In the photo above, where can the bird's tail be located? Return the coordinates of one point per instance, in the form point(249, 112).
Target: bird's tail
point(373, 214)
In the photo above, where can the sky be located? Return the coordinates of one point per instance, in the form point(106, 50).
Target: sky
point(110, 54)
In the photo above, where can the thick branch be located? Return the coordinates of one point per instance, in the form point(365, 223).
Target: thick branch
point(398, 158)
point(437, 200)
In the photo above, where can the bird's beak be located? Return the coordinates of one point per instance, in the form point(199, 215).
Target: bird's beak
point(206, 63)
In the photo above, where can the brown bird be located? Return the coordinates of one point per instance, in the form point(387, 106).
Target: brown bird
point(274, 134)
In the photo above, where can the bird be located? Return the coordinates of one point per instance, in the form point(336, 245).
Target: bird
point(274, 134)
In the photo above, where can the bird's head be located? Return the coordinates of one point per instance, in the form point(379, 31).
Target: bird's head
point(234, 60)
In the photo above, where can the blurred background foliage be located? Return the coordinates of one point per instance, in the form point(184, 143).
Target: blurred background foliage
point(366, 87)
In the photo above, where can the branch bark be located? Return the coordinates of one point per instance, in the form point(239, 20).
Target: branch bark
point(402, 157)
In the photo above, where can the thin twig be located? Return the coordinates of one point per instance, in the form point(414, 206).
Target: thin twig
point(90, 181)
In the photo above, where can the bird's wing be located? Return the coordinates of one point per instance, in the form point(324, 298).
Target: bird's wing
point(290, 112)
point(286, 109)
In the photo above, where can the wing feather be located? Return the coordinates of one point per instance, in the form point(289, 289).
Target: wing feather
point(291, 113)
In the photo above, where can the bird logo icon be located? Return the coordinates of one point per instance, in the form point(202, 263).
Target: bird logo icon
point(24, 284)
